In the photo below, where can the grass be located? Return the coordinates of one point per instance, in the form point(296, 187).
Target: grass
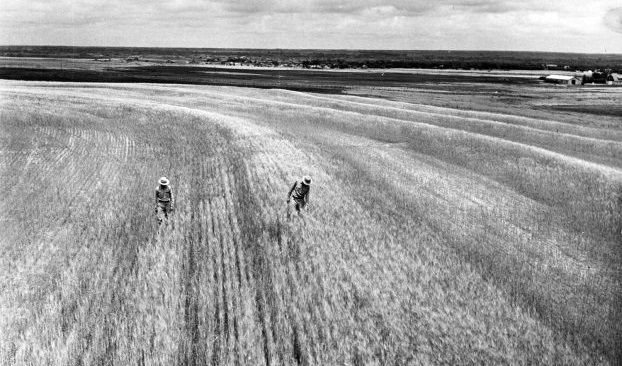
point(433, 237)
point(571, 203)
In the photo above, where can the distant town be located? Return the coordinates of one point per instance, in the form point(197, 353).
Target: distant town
point(556, 68)
point(333, 59)
point(580, 77)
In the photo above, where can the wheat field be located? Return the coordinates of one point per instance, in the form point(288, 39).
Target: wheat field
point(435, 235)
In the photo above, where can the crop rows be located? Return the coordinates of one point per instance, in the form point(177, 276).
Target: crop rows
point(428, 240)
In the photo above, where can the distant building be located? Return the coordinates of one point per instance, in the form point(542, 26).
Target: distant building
point(563, 79)
point(614, 79)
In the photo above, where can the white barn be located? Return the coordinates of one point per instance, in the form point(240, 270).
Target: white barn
point(614, 79)
point(563, 79)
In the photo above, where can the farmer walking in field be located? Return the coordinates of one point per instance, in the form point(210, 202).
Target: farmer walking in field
point(164, 199)
point(300, 193)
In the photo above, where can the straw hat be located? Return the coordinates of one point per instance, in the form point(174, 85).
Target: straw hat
point(163, 181)
point(306, 180)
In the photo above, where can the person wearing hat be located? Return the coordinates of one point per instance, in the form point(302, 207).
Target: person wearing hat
point(300, 193)
point(164, 199)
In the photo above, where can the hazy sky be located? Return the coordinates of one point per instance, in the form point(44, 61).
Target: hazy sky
point(539, 25)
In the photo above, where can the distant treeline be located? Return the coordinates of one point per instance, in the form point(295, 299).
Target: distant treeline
point(482, 60)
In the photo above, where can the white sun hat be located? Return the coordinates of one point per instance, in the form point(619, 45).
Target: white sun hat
point(163, 181)
point(306, 180)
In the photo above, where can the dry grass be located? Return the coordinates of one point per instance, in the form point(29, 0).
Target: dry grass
point(429, 241)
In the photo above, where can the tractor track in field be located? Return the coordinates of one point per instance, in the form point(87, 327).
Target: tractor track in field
point(221, 256)
point(280, 252)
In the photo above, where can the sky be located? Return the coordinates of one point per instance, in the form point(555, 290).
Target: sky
point(591, 26)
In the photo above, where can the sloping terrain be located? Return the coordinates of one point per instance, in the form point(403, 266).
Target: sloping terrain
point(435, 235)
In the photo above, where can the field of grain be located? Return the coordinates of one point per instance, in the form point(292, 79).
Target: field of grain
point(436, 234)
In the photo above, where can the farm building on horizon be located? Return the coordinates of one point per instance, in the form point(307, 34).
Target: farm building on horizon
point(614, 79)
point(563, 79)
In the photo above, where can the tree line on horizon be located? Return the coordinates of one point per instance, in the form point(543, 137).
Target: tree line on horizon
point(339, 59)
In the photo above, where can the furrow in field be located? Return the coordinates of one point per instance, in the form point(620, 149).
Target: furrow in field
point(288, 252)
point(244, 332)
point(228, 341)
point(537, 124)
point(227, 285)
point(587, 148)
point(392, 109)
point(427, 124)
point(546, 142)
point(588, 144)
point(228, 277)
point(219, 338)
point(274, 285)
point(199, 300)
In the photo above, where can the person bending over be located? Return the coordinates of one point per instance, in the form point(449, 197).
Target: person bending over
point(300, 193)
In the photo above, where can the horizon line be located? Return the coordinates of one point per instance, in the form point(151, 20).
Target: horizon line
point(317, 49)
